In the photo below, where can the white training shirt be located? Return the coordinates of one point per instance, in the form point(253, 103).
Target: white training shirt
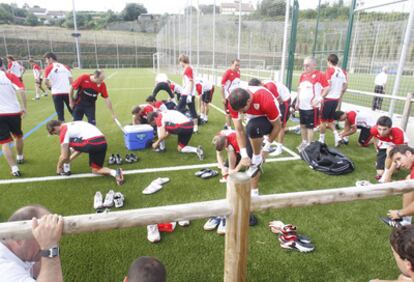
point(205, 84)
point(188, 77)
point(78, 129)
point(336, 78)
point(58, 75)
point(381, 79)
point(12, 268)
point(161, 77)
point(173, 117)
point(9, 104)
point(16, 69)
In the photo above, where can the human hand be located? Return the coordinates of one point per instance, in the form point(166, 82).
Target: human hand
point(48, 230)
point(394, 214)
point(155, 145)
point(24, 112)
point(245, 162)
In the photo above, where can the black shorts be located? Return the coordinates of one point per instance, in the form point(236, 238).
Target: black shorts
point(328, 110)
point(207, 96)
point(364, 136)
point(258, 127)
point(96, 149)
point(183, 132)
point(10, 125)
point(285, 112)
point(309, 118)
point(381, 156)
point(379, 89)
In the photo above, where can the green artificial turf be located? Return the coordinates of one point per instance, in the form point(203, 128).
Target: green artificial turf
point(351, 243)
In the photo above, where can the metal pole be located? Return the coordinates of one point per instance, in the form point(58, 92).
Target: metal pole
point(75, 26)
point(28, 47)
point(190, 28)
point(348, 35)
point(407, 111)
point(179, 38)
point(316, 29)
point(174, 44)
point(285, 43)
point(354, 45)
point(250, 46)
point(5, 43)
point(374, 52)
point(198, 34)
point(292, 44)
point(213, 65)
point(403, 57)
point(117, 52)
point(136, 52)
point(239, 33)
point(96, 51)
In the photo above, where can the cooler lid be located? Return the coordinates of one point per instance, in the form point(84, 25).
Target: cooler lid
point(137, 128)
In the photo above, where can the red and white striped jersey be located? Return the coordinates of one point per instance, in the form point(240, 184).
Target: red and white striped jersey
point(203, 86)
point(310, 89)
point(230, 81)
point(397, 136)
point(336, 77)
point(278, 89)
point(176, 88)
point(16, 68)
point(77, 131)
point(9, 104)
point(263, 104)
point(188, 77)
point(58, 74)
point(361, 119)
point(37, 71)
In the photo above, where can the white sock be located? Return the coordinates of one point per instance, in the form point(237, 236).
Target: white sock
point(162, 145)
point(407, 219)
point(189, 149)
point(254, 192)
point(322, 137)
point(195, 128)
point(257, 159)
point(113, 172)
point(206, 117)
point(15, 168)
point(66, 167)
point(19, 157)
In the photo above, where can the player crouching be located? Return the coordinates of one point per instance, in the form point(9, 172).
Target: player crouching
point(82, 137)
point(174, 122)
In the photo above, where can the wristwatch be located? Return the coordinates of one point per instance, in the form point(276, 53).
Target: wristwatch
point(50, 253)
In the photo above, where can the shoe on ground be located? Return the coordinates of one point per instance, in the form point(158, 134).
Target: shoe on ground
point(103, 210)
point(161, 181)
point(158, 150)
point(97, 201)
point(119, 200)
point(201, 171)
point(167, 227)
point(277, 152)
point(221, 229)
point(362, 183)
point(211, 223)
point(109, 199)
point(395, 223)
point(292, 243)
point(200, 153)
point(153, 234)
point(65, 173)
point(128, 159)
point(152, 188)
point(184, 223)
point(36, 99)
point(133, 157)
point(119, 176)
point(209, 174)
point(112, 159)
point(252, 219)
point(16, 173)
point(118, 159)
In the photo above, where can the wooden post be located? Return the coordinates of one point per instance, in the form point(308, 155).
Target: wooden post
point(237, 228)
point(406, 112)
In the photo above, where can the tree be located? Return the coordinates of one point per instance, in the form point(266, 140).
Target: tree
point(31, 20)
point(132, 11)
point(272, 8)
point(189, 9)
point(209, 9)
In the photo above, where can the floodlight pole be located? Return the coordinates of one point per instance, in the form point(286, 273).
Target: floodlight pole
point(404, 52)
point(239, 34)
point(285, 43)
point(214, 38)
point(76, 32)
point(198, 34)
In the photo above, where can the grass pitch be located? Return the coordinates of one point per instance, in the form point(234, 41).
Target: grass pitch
point(351, 243)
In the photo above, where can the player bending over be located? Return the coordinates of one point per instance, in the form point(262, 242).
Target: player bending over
point(82, 137)
point(205, 90)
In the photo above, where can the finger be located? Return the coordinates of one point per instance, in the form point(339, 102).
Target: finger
point(35, 224)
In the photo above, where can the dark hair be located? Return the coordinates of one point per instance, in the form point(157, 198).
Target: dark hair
point(255, 82)
point(402, 149)
point(31, 60)
point(135, 110)
point(338, 114)
point(235, 60)
point(333, 59)
point(50, 55)
point(402, 241)
point(219, 141)
point(147, 269)
point(385, 121)
point(97, 73)
point(50, 126)
point(150, 99)
point(151, 116)
point(184, 58)
point(10, 57)
point(238, 98)
point(28, 212)
point(1, 62)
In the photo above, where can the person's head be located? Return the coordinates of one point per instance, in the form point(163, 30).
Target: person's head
point(402, 244)
point(151, 99)
point(10, 58)
point(384, 125)
point(240, 100)
point(340, 116)
point(332, 60)
point(255, 82)
point(402, 156)
point(26, 250)
point(53, 127)
point(385, 69)
point(309, 64)
point(183, 60)
point(135, 110)
point(235, 65)
point(146, 269)
point(31, 61)
point(151, 118)
point(1, 63)
point(98, 76)
point(219, 142)
point(50, 57)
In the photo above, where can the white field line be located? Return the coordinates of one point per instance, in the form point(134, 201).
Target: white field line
point(289, 151)
point(133, 171)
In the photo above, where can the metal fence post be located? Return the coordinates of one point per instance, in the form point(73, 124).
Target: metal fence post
point(407, 111)
point(349, 35)
point(292, 44)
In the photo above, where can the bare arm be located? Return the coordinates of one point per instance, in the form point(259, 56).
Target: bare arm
point(275, 131)
point(220, 160)
point(71, 102)
point(108, 103)
point(241, 140)
point(23, 100)
point(162, 135)
point(348, 130)
point(63, 158)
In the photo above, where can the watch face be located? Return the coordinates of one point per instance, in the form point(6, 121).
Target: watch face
point(50, 253)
